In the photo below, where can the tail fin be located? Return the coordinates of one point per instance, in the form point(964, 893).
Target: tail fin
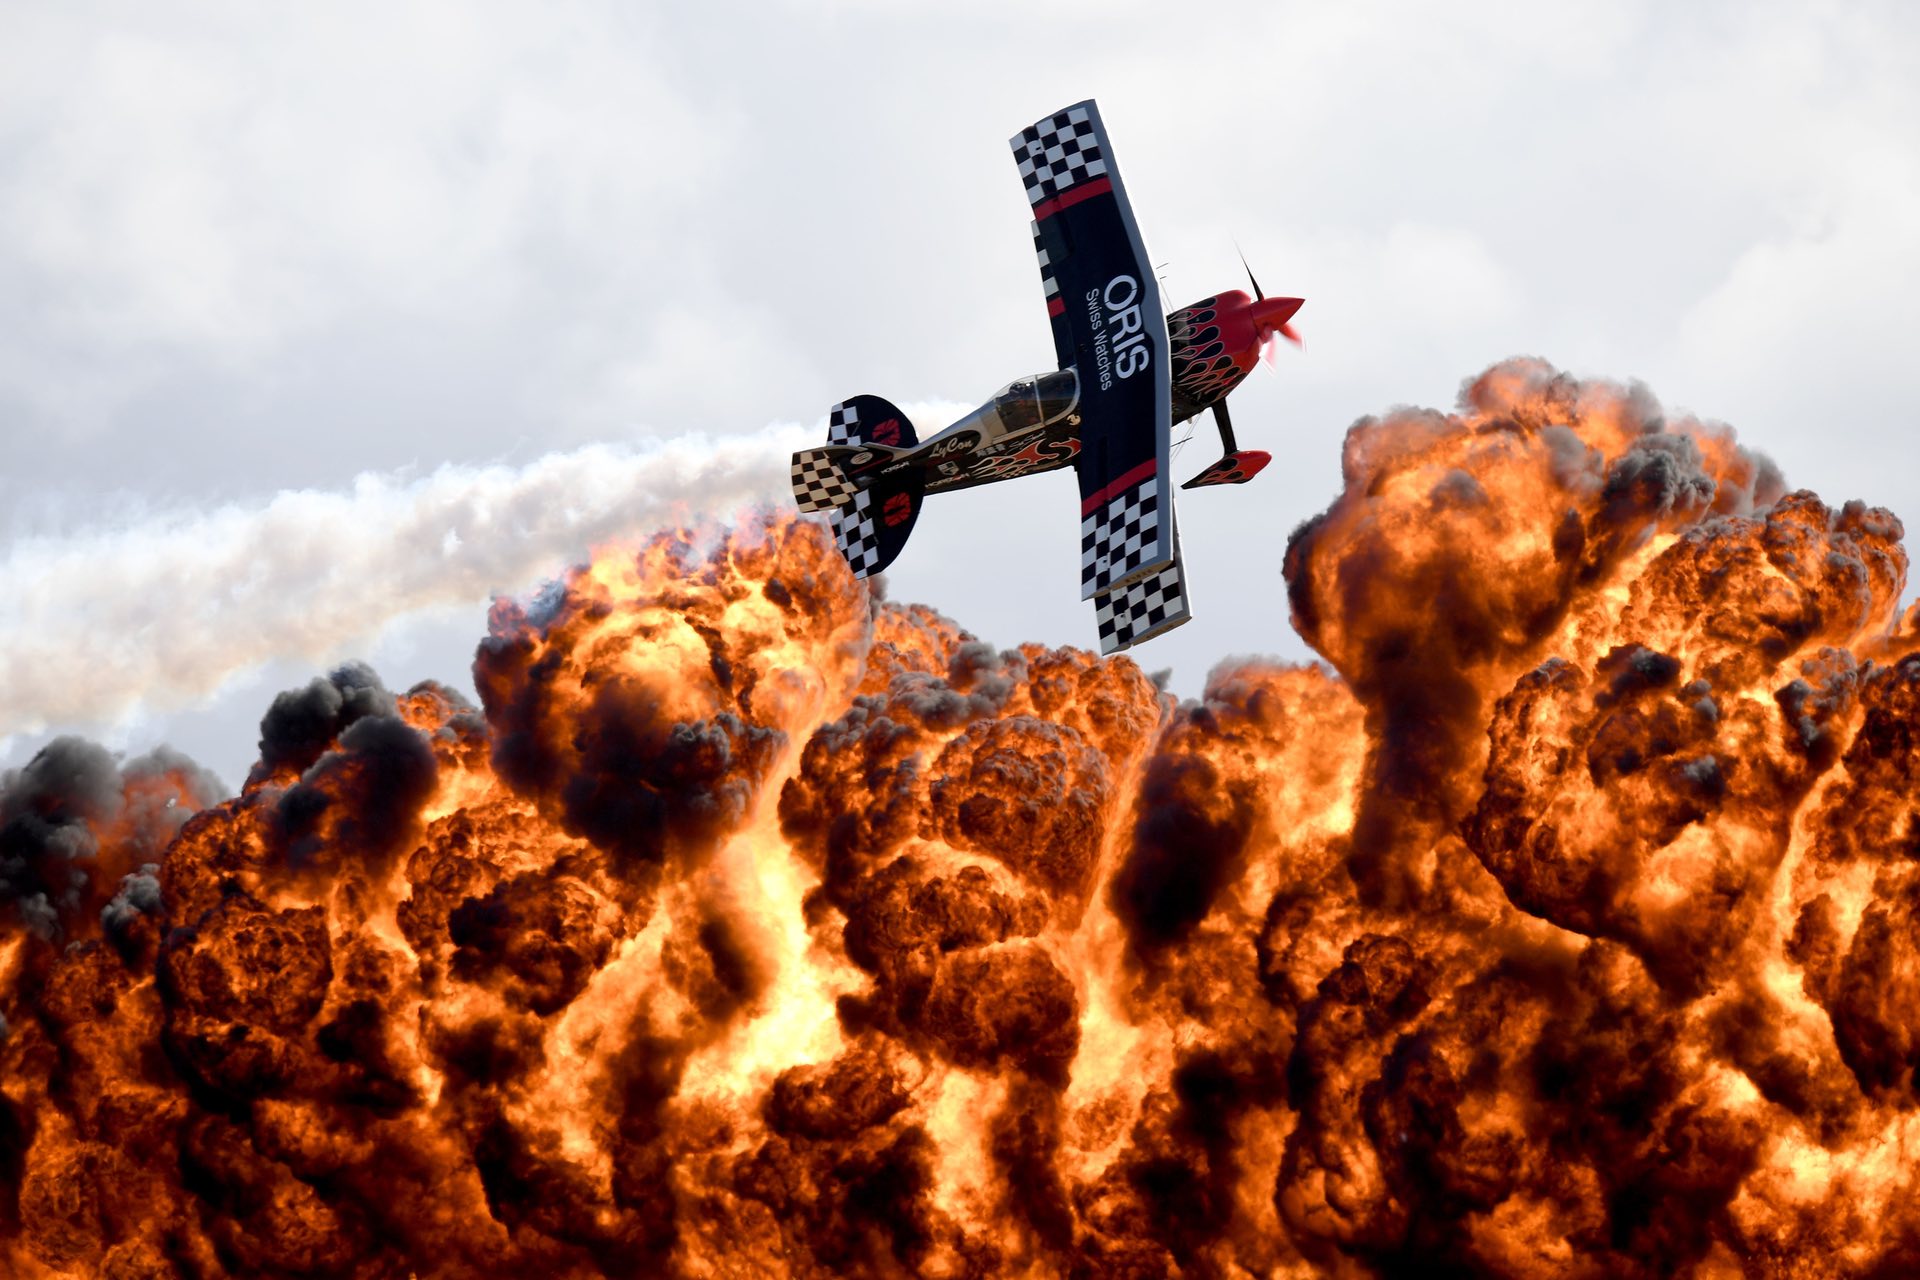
point(870, 420)
point(820, 476)
point(871, 520)
point(872, 529)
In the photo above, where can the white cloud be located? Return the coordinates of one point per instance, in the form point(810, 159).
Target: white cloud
point(1843, 283)
point(218, 187)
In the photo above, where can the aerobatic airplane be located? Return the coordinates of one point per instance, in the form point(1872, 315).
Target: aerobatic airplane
point(1128, 372)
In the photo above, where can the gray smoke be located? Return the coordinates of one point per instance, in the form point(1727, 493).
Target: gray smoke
point(51, 810)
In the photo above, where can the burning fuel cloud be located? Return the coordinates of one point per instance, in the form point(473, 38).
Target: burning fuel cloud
point(752, 926)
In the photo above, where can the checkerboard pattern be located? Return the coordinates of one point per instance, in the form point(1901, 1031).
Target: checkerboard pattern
point(1047, 282)
point(853, 530)
point(818, 483)
point(1139, 610)
point(1121, 538)
point(843, 424)
point(1059, 152)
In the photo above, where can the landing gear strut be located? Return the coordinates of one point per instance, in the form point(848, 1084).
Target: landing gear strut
point(1220, 419)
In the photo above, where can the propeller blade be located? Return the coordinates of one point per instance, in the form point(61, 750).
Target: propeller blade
point(1270, 345)
point(1257, 295)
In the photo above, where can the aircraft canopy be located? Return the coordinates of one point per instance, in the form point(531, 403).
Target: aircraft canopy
point(1029, 402)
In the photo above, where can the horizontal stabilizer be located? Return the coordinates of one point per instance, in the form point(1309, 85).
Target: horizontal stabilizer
point(818, 482)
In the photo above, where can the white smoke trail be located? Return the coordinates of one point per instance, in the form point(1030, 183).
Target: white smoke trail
point(159, 614)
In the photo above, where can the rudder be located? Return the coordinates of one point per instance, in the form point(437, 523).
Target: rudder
point(871, 523)
point(870, 420)
point(873, 528)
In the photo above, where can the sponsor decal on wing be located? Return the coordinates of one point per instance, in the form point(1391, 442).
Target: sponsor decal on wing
point(1119, 337)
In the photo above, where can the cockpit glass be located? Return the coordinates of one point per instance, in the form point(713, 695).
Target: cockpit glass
point(1017, 407)
point(1058, 393)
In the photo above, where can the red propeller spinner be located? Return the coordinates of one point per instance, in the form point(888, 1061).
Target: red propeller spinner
point(1271, 317)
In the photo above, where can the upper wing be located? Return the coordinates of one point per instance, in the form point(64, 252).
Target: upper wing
point(1109, 325)
point(1056, 305)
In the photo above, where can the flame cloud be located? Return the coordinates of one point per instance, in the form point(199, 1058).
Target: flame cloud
point(752, 926)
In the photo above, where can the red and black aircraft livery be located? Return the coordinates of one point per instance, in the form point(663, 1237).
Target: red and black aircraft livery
point(1127, 372)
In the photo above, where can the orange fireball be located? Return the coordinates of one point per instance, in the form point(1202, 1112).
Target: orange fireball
point(753, 926)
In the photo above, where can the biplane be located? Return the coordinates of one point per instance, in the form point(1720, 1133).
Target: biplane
point(1128, 373)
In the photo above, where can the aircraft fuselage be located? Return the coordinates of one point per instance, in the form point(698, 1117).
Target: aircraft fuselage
point(1032, 424)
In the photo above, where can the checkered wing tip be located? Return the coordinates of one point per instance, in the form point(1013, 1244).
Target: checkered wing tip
point(1060, 152)
point(1141, 609)
point(1123, 539)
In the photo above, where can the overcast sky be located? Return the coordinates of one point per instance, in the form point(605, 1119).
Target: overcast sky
point(341, 248)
